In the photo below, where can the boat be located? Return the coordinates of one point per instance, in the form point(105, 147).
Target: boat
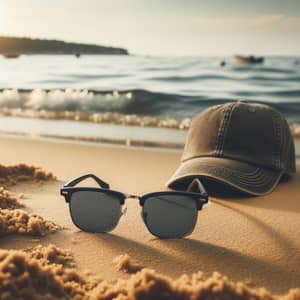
point(240, 59)
point(11, 55)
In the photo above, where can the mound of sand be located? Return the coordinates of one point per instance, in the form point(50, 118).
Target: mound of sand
point(10, 175)
point(9, 201)
point(21, 222)
point(44, 273)
point(25, 277)
point(148, 284)
point(52, 255)
point(125, 264)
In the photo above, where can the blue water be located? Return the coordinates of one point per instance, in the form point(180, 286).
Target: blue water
point(162, 87)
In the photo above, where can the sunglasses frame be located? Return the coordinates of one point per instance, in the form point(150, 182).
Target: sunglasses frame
point(200, 197)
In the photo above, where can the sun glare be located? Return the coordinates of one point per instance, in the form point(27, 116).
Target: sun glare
point(3, 18)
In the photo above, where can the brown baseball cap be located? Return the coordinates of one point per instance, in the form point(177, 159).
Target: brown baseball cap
point(246, 146)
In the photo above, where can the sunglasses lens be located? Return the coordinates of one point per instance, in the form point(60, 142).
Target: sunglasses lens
point(95, 211)
point(170, 216)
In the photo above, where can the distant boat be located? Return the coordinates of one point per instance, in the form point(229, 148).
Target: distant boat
point(240, 59)
point(11, 55)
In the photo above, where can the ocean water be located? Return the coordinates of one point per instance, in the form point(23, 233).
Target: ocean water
point(141, 90)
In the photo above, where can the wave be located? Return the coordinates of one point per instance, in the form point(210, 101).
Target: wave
point(60, 100)
point(288, 93)
point(139, 107)
point(273, 79)
point(262, 69)
point(259, 79)
point(140, 102)
point(96, 76)
point(191, 78)
point(124, 107)
point(173, 68)
point(274, 93)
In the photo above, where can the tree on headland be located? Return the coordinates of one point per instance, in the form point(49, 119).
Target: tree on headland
point(15, 45)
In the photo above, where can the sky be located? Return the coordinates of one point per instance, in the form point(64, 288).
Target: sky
point(162, 27)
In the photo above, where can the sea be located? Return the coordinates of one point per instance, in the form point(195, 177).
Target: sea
point(135, 100)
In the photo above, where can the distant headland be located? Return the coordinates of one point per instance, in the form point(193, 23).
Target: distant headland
point(15, 46)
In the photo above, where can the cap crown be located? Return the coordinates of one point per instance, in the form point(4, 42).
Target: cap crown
point(252, 133)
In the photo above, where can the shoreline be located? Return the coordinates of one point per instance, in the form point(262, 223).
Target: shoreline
point(91, 132)
point(127, 143)
point(97, 143)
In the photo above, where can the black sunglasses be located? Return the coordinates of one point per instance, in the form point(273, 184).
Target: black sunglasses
point(169, 214)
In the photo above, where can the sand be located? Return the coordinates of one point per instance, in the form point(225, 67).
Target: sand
point(25, 277)
point(125, 264)
point(22, 223)
point(252, 240)
point(10, 175)
point(45, 273)
point(10, 201)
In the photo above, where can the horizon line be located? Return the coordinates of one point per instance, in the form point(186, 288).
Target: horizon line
point(131, 53)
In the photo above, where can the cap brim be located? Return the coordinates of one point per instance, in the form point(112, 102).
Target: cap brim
point(239, 175)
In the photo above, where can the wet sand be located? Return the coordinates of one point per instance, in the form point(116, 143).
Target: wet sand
point(254, 240)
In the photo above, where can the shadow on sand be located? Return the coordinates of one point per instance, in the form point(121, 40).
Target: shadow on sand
point(187, 255)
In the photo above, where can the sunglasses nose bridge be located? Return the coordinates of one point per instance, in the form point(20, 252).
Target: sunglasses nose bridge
point(132, 196)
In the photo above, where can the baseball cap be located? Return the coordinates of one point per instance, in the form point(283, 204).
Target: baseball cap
point(247, 146)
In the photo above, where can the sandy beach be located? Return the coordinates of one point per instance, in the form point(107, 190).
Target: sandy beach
point(252, 240)
point(124, 90)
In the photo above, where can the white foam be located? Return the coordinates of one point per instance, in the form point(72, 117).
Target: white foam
point(80, 105)
point(11, 99)
point(81, 100)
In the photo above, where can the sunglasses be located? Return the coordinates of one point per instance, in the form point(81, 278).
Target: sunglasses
point(168, 214)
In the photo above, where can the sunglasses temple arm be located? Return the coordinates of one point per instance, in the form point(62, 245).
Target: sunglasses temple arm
point(196, 186)
point(77, 180)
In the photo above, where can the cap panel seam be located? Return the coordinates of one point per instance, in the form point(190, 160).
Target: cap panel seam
point(286, 145)
point(220, 135)
point(287, 158)
point(230, 112)
point(277, 149)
